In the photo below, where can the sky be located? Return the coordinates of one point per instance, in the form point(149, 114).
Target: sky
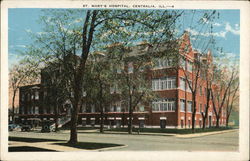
point(226, 30)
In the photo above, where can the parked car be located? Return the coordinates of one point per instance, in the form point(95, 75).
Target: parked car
point(47, 126)
point(13, 127)
point(26, 127)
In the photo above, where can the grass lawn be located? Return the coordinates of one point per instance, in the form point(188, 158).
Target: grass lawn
point(80, 128)
point(89, 145)
point(172, 131)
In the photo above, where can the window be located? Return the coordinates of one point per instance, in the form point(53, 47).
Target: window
point(118, 109)
point(130, 67)
point(115, 106)
point(189, 106)
point(163, 105)
point(188, 87)
point(182, 63)
point(182, 84)
point(22, 97)
point(142, 68)
point(51, 110)
point(120, 68)
point(36, 110)
point(189, 66)
point(28, 95)
point(200, 90)
point(201, 108)
point(92, 108)
point(30, 111)
point(205, 91)
point(36, 95)
point(141, 108)
point(45, 94)
point(182, 104)
point(118, 106)
point(114, 89)
point(44, 110)
point(84, 107)
point(163, 83)
point(162, 63)
point(84, 93)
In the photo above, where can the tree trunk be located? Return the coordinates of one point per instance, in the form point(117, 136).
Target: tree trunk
point(102, 122)
point(74, 118)
point(56, 117)
point(130, 124)
point(193, 114)
point(13, 106)
point(227, 120)
point(101, 108)
point(217, 122)
point(204, 121)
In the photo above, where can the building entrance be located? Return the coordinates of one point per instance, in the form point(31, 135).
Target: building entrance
point(163, 123)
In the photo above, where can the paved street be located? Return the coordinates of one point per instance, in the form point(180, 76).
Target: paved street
point(217, 142)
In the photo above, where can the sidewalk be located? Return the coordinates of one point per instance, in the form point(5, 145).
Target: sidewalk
point(59, 148)
point(46, 145)
point(203, 134)
point(156, 134)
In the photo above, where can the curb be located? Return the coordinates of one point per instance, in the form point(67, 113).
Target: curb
point(204, 134)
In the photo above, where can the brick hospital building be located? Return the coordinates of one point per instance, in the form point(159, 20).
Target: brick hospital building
point(171, 109)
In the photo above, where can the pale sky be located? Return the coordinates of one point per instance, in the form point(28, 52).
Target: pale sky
point(226, 30)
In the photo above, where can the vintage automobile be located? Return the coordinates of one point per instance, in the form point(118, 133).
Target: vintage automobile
point(13, 127)
point(26, 127)
point(47, 126)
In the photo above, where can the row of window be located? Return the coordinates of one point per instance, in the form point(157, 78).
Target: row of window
point(162, 63)
point(158, 63)
point(164, 83)
point(189, 105)
point(189, 66)
point(184, 83)
point(164, 105)
point(31, 96)
point(157, 105)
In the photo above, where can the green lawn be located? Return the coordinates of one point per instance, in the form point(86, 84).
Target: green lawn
point(79, 128)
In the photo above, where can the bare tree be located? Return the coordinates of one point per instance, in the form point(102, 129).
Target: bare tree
point(220, 90)
point(21, 74)
point(232, 97)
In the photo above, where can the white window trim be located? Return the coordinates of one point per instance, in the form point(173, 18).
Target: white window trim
point(184, 105)
point(162, 84)
point(169, 105)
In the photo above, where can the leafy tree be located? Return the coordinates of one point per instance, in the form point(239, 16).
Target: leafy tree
point(79, 32)
point(133, 83)
point(99, 79)
point(57, 89)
